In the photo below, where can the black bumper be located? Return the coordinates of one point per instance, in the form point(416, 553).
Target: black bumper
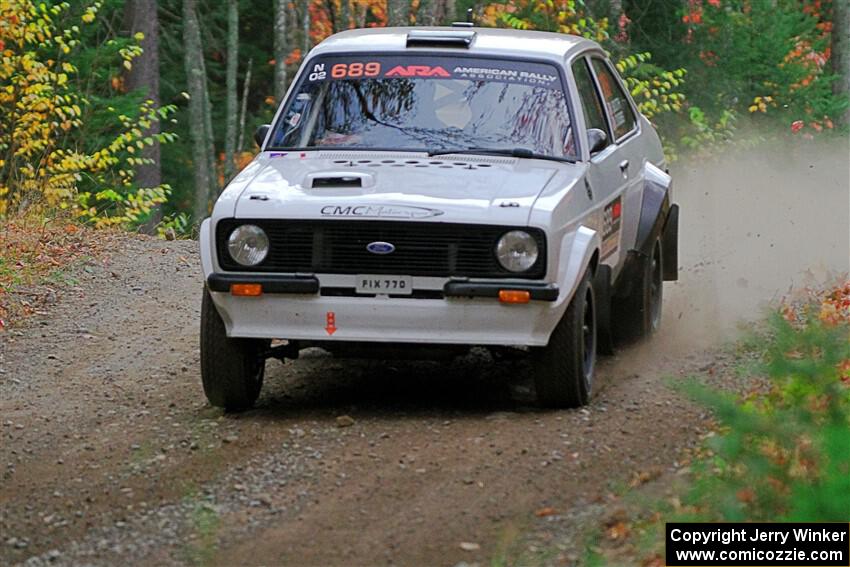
point(270, 283)
point(310, 284)
point(539, 292)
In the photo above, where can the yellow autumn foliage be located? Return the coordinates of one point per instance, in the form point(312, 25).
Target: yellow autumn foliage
point(43, 165)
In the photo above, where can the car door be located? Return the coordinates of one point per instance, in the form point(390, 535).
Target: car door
point(622, 215)
point(606, 179)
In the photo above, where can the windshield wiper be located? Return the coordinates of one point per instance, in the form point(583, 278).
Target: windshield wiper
point(513, 152)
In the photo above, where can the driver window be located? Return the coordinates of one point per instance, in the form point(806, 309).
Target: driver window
point(590, 103)
point(618, 105)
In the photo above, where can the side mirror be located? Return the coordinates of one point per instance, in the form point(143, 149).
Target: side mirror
point(260, 134)
point(597, 140)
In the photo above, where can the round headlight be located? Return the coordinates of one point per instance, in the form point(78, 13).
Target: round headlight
point(248, 245)
point(517, 251)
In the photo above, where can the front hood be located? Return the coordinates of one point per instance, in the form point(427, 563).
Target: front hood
point(393, 186)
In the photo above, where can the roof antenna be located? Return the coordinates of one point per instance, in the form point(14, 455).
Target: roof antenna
point(468, 23)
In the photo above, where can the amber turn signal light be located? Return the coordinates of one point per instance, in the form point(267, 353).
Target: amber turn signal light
point(514, 296)
point(246, 289)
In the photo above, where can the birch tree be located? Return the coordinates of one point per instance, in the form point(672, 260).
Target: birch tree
point(196, 80)
point(232, 104)
point(281, 49)
point(306, 26)
point(243, 113)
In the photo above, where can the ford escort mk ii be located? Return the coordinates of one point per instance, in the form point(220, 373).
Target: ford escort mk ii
point(425, 190)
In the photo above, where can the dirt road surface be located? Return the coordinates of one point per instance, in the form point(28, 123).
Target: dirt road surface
point(110, 455)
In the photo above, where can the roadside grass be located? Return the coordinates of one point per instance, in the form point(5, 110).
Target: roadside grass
point(781, 453)
point(204, 523)
point(509, 546)
point(37, 257)
point(779, 449)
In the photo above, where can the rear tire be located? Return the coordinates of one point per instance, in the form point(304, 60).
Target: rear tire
point(563, 370)
point(231, 369)
point(638, 314)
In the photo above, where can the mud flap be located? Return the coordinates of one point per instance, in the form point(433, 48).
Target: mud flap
point(670, 245)
point(602, 291)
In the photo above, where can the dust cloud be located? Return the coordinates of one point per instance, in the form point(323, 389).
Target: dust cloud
point(753, 227)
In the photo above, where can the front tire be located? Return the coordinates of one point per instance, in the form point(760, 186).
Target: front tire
point(231, 369)
point(563, 370)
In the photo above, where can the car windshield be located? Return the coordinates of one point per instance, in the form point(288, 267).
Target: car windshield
point(427, 103)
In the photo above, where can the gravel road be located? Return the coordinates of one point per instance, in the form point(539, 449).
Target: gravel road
point(109, 453)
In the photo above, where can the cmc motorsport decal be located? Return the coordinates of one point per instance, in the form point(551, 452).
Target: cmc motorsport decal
point(379, 211)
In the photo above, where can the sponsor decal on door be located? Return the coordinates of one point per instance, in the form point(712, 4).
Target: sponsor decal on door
point(611, 223)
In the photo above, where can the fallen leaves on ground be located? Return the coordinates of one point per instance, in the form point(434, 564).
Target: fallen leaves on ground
point(35, 256)
point(618, 531)
point(642, 477)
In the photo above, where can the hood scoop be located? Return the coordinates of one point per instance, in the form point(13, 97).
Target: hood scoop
point(339, 180)
point(320, 182)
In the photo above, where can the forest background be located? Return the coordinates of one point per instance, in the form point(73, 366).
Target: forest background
point(135, 113)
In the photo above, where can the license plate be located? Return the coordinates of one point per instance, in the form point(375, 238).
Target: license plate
point(390, 285)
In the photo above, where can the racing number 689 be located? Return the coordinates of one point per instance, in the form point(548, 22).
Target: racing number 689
point(355, 70)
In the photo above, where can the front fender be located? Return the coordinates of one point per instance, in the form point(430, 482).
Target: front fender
point(206, 245)
point(577, 251)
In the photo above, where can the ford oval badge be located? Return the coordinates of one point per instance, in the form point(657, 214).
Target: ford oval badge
point(380, 248)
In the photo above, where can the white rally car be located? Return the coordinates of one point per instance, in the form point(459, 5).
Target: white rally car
point(425, 190)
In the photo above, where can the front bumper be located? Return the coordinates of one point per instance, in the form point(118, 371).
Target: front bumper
point(303, 284)
point(291, 307)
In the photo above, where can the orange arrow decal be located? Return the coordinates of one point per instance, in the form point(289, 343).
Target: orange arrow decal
point(331, 326)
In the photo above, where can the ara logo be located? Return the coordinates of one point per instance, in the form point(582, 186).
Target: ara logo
point(417, 71)
point(380, 247)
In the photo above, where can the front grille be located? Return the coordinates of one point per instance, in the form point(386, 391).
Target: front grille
point(421, 248)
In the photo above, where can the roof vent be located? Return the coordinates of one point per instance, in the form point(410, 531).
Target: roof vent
point(442, 38)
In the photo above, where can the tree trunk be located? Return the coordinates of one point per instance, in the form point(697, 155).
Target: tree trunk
point(398, 12)
point(140, 16)
point(196, 82)
point(281, 49)
point(436, 12)
point(361, 15)
point(231, 87)
point(615, 11)
point(246, 86)
point(345, 16)
point(426, 14)
point(841, 53)
point(306, 26)
point(209, 135)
